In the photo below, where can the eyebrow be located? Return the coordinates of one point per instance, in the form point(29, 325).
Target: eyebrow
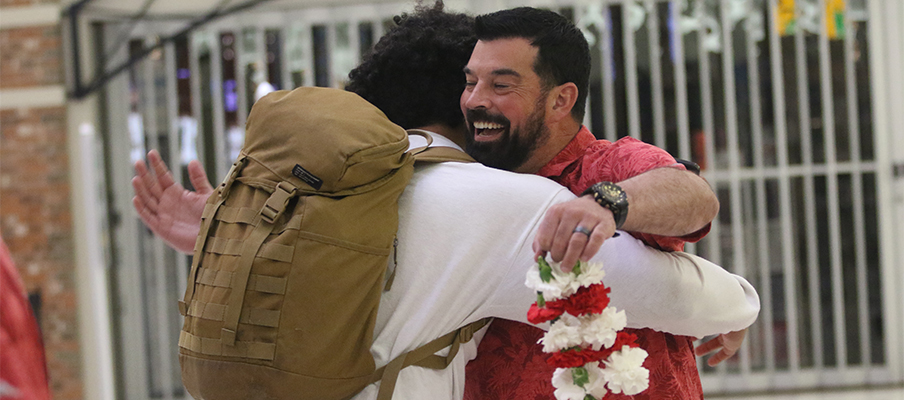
point(497, 72)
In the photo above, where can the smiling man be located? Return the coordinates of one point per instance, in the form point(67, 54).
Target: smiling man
point(527, 83)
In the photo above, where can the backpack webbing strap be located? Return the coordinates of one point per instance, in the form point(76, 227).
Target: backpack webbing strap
point(270, 212)
point(441, 154)
point(207, 221)
point(436, 154)
point(424, 356)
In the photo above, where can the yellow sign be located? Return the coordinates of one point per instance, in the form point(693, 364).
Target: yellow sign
point(791, 16)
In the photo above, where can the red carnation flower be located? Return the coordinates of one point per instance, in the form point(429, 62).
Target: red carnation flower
point(538, 315)
point(576, 357)
point(588, 300)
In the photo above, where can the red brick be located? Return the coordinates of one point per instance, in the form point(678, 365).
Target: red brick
point(36, 223)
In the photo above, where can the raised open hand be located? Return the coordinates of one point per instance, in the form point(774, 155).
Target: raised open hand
point(172, 212)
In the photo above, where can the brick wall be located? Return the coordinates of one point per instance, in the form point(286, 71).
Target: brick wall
point(35, 216)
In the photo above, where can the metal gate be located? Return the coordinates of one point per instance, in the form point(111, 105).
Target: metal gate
point(772, 98)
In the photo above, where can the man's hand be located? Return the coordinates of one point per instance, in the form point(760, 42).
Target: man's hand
point(558, 236)
point(169, 210)
point(727, 344)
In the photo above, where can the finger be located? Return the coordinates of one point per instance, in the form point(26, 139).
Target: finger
point(198, 178)
point(594, 243)
point(148, 180)
point(708, 346)
point(164, 177)
point(142, 194)
point(547, 230)
point(149, 218)
point(563, 237)
point(575, 248)
point(718, 358)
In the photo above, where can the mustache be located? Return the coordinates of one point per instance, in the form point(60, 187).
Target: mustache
point(480, 114)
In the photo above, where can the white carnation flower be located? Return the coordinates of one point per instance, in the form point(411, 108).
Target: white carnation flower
point(564, 284)
point(597, 385)
point(624, 372)
point(591, 274)
point(563, 381)
point(563, 334)
point(600, 330)
point(551, 290)
point(565, 387)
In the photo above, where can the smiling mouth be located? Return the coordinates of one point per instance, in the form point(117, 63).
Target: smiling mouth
point(486, 131)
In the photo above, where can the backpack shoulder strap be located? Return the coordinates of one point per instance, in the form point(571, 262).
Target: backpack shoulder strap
point(424, 356)
point(436, 154)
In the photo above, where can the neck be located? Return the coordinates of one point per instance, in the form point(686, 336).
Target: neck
point(560, 134)
point(455, 134)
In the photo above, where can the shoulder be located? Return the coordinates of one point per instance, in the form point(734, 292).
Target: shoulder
point(476, 182)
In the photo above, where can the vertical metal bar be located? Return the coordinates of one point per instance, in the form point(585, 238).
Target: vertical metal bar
point(781, 139)
point(684, 137)
point(828, 121)
point(284, 32)
point(241, 89)
point(886, 88)
point(656, 73)
point(765, 267)
point(172, 111)
point(195, 85)
point(631, 70)
point(218, 107)
point(857, 188)
point(731, 124)
point(706, 91)
point(605, 44)
point(158, 271)
point(809, 192)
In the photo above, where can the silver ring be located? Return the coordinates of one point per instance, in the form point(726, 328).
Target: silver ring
point(581, 229)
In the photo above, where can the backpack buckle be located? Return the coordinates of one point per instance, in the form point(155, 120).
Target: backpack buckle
point(277, 202)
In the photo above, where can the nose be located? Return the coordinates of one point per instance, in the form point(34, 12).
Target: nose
point(475, 97)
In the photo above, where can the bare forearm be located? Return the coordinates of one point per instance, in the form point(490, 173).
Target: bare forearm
point(669, 202)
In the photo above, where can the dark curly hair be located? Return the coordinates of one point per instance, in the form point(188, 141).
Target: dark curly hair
point(414, 73)
point(563, 53)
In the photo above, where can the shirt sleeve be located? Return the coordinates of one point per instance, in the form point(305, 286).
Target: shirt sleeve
point(676, 292)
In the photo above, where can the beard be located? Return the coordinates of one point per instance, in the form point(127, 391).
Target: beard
point(514, 147)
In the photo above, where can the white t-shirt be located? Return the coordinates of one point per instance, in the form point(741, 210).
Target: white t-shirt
point(465, 234)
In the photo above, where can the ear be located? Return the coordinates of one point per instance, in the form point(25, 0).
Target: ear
point(562, 98)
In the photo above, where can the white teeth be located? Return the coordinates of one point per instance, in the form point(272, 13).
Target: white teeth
point(487, 125)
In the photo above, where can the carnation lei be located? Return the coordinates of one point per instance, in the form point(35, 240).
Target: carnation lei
point(591, 355)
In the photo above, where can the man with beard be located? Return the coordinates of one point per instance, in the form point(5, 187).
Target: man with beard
point(428, 51)
point(527, 83)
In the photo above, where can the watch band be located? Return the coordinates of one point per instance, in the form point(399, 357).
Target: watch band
point(611, 196)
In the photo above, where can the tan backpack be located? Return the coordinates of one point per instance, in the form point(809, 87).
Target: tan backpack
point(290, 262)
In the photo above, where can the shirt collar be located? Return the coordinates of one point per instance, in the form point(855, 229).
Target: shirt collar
point(573, 152)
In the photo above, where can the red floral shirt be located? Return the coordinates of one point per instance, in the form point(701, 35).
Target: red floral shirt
point(510, 364)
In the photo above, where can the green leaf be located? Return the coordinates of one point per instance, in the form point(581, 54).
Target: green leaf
point(577, 268)
point(580, 376)
point(589, 397)
point(545, 270)
point(541, 302)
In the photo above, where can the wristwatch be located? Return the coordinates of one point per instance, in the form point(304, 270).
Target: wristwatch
point(611, 196)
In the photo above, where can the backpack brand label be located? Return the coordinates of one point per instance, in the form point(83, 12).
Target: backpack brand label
point(307, 177)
